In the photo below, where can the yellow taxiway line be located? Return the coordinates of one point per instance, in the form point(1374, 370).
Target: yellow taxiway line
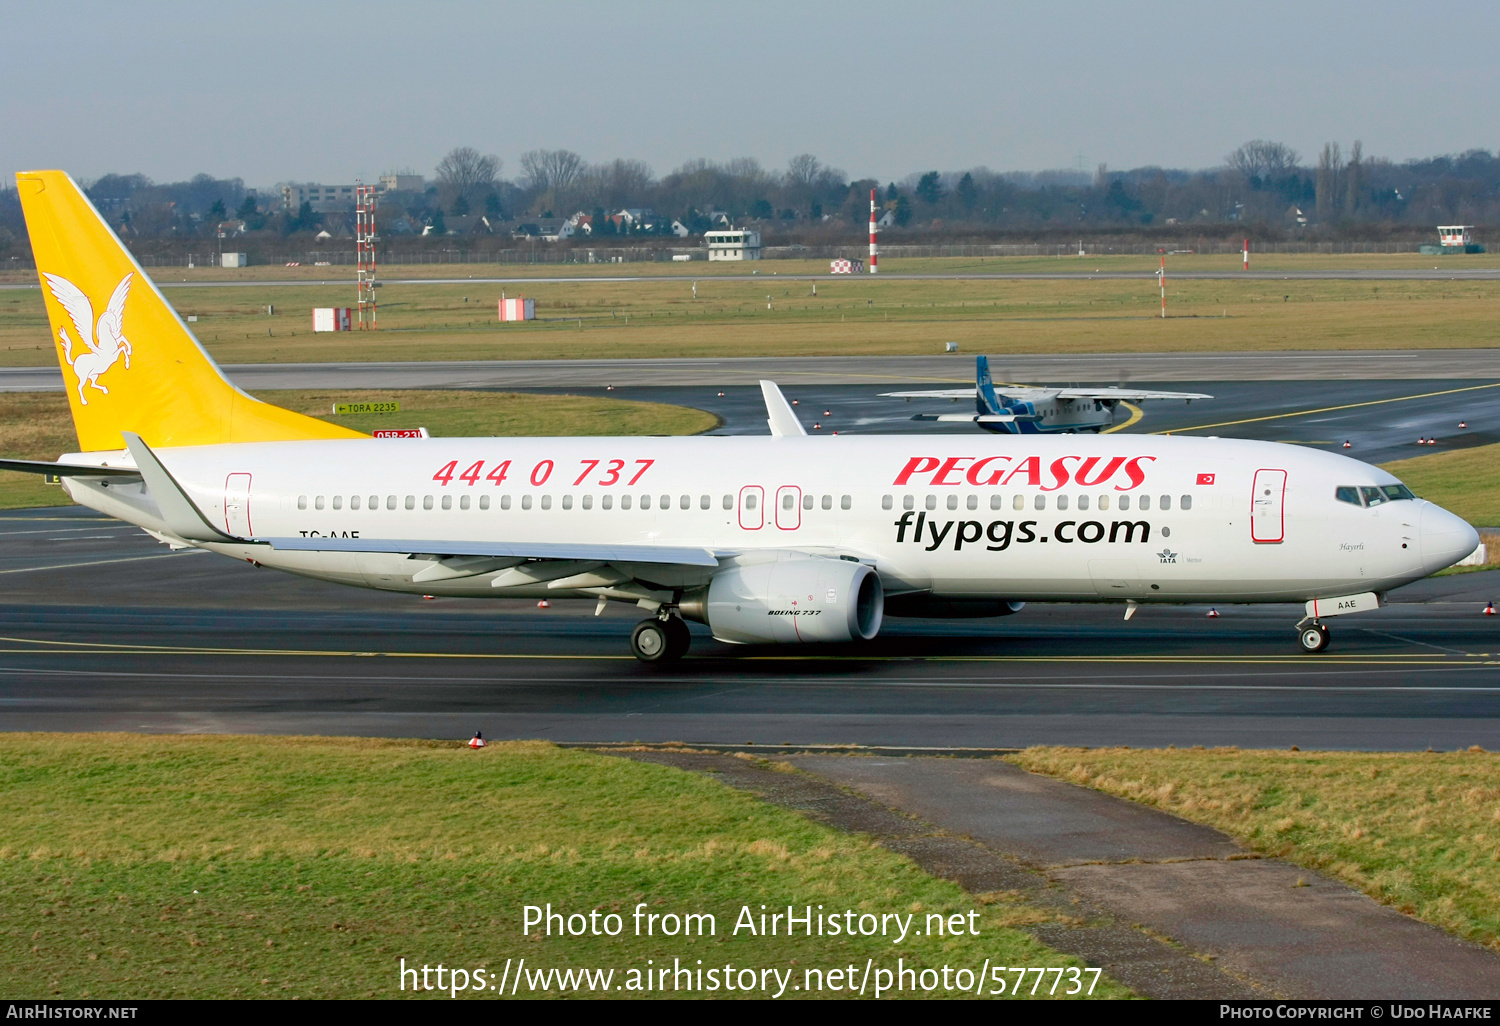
point(1325, 409)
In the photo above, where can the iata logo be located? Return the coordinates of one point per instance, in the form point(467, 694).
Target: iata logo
point(106, 345)
point(1167, 556)
point(1086, 471)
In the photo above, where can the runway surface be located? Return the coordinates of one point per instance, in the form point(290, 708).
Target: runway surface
point(913, 371)
point(101, 628)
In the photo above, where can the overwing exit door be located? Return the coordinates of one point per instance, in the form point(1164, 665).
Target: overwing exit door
point(1267, 512)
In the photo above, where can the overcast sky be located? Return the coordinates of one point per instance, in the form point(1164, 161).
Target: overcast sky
point(271, 91)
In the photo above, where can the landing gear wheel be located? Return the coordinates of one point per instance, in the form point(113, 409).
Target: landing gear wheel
point(1314, 637)
point(658, 641)
point(678, 637)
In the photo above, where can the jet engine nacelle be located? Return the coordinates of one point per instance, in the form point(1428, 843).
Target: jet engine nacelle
point(790, 601)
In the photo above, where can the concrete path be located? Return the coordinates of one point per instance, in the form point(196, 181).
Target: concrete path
point(1296, 932)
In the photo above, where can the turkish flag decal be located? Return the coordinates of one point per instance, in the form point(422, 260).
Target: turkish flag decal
point(1205, 479)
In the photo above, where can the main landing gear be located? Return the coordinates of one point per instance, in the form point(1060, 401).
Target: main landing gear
point(1313, 635)
point(660, 639)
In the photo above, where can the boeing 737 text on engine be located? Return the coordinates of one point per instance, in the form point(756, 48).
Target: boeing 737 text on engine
point(780, 539)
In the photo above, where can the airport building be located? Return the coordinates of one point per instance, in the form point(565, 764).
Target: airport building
point(733, 244)
point(330, 199)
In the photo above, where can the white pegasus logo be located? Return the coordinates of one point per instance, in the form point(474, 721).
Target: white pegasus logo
point(106, 345)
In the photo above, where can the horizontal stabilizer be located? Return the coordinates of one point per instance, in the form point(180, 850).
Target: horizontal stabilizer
point(66, 469)
point(680, 555)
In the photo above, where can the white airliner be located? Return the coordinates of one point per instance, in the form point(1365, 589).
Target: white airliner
point(1029, 410)
point(780, 539)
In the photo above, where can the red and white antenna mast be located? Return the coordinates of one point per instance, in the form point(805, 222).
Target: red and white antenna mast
point(1247, 254)
point(874, 249)
point(1162, 278)
point(364, 244)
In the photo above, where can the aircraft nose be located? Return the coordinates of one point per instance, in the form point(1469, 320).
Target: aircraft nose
point(1446, 538)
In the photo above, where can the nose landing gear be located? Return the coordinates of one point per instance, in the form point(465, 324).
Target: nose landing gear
point(660, 640)
point(1313, 635)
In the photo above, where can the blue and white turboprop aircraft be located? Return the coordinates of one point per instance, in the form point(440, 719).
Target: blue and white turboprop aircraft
point(1026, 410)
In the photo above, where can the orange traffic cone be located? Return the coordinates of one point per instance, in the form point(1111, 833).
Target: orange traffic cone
point(477, 741)
point(1463, 423)
point(1489, 609)
point(544, 604)
point(1212, 612)
point(1348, 445)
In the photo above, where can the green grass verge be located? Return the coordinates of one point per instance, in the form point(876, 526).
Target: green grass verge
point(771, 315)
point(38, 425)
point(1464, 481)
point(1417, 831)
point(140, 867)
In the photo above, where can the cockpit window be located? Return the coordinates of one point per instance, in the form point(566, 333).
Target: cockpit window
point(1347, 493)
point(1372, 496)
point(1397, 491)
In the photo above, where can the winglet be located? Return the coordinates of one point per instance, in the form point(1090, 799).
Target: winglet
point(779, 415)
point(182, 517)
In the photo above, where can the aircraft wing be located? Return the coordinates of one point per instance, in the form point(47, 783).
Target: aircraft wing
point(976, 418)
point(605, 553)
point(940, 393)
point(1127, 394)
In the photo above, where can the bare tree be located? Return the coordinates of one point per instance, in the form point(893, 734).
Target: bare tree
point(556, 170)
point(466, 173)
point(1330, 178)
point(1261, 159)
point(1354, 177)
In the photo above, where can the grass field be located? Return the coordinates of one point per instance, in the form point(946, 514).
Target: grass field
point(657, 316)
point(38, 426)
point(150, 867)
point(1417, 831)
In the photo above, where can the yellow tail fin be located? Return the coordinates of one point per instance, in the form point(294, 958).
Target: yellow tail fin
point(128, 361)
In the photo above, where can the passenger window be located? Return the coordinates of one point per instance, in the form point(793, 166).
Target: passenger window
point(1019, 502)
point(625, 501)
point(931, 502)
point(1373, 496)
point(645, 502)
point(1165, 503)
point(1186, 503)
point(1083, 502)
point(787, 501)
point(973, 502)
point(686, 502)
point(1103, 503)
point(411, 502)
point(705, 502)
point(608, 501)
point(338, 502)
point(1347, 493)
point(447, 502)
point(828, 502)
point(953, 502)
point(463, 502)
point(1040, 502)
point(374, 502)
point(907, 502)
point(846, 502)
point(567, 502)
point(318, 502)
point(729, 502)
point(525, 502)
point(354, 502)
point(588, 502)
point(546, 502)
point(996, 502)
point(666, 502)
point(1062, 502)
point(484, 502)
point(750, 501)
point(809, 500)
point(886, 502)
point(426, 502)
point(301, 502)
point(1144, 504)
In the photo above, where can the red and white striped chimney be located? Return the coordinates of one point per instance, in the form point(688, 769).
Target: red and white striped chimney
point(874, 249)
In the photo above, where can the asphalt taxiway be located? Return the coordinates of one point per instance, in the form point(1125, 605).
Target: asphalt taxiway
point(102, 628)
